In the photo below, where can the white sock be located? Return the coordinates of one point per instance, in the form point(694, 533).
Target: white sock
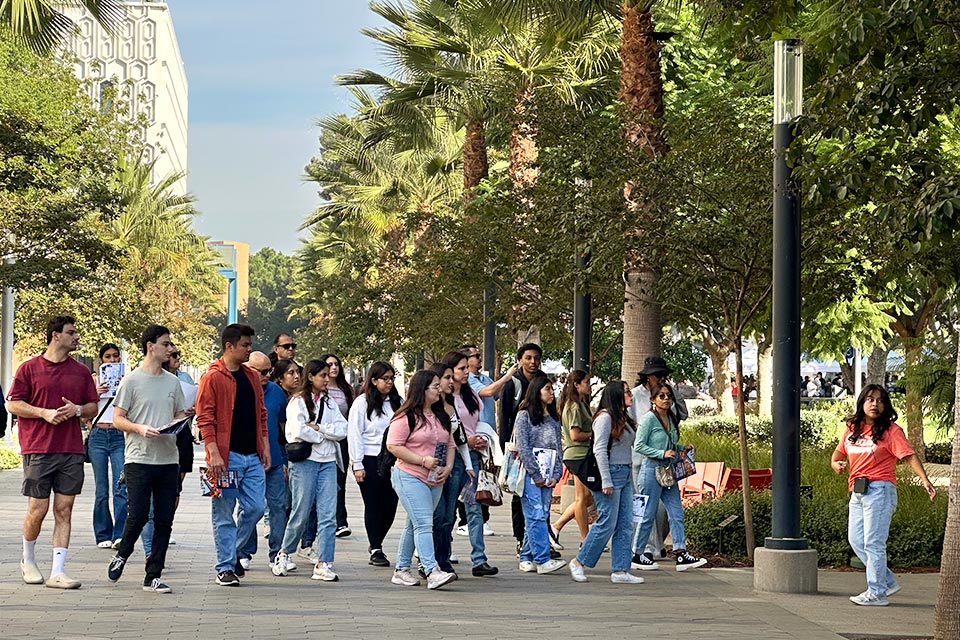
point(29, 555)
point(59, 559)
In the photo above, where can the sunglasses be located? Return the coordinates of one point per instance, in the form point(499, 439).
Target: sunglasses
point(289, 345)
point(175, 354)
point(265, 372)
point(664, 396)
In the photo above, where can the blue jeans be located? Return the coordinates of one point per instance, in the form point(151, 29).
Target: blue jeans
point(648, 486)
point(419, 500)
point(106, 448)
point(536, 510)
point(276, 514)
point(229, 534)
point(313, 489)
point(614, 517)
point(445, 514)
point(867, 530)
point(478, 552)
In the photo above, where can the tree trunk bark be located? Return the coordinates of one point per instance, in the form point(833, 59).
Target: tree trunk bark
point(765, 374)
point(642, 331)
point(476, 165)
point(523, 148)
point(912, 347)
point(877, 365)
point(744, 454)
point(849, 379)
point(946, 625)
point(719, 356)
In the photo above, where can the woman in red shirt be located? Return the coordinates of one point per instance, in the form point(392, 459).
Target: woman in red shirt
point(870, 447)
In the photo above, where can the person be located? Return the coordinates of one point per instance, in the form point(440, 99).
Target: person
point(420, 437)
point(148, 399)
point(369, 418)
point(614, 433)
point(342, 394)
point(277, 493)
point(285, 348)
point(489, 391)
point(50, 394)
point(313, 417)
point(577, 428)
point(868, 451)
point(656, 440)
point(529, 357)
point(232, 420)
point(105, 447)
point(655, 371)
point(465, 404)
point(539, 445)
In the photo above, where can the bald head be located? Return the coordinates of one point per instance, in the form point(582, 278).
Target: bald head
point(260, 362)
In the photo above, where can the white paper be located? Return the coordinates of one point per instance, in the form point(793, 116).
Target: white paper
point(546, 461)
point(189, 394)
point(110, 374)
point(639, 506)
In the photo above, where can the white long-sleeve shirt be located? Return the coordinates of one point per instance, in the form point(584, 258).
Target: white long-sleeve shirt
point(365, 435)
point(333, 428)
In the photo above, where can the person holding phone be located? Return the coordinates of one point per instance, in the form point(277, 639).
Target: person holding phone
point(105, 448)
point(869, 450)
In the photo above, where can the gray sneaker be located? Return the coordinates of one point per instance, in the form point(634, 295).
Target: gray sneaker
point(438, 578)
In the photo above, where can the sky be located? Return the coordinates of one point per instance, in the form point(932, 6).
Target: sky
point(259, 76)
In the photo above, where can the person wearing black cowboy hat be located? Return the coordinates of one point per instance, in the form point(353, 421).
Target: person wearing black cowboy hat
point(655, 370)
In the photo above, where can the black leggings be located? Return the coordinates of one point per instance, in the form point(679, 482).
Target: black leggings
point(342, 486)
point(379, 503)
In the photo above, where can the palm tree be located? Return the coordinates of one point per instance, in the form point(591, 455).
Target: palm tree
point(42, 25)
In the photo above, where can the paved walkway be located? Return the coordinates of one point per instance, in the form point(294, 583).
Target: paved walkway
point(715, 604)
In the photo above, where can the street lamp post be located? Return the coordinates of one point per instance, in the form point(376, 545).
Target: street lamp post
point(582, 305)
point(785, 563)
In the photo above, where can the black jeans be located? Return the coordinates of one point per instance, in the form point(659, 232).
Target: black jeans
point(342, 486)
point(158, 482)
point(379, 503)
point(516, 517)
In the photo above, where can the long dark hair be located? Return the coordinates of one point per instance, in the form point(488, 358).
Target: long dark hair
point(533, 404)
point(417, 396)
point(312, 368)
point(106, 347)
point(612, 401)
point(375, 399)
point(280, 370)
point(341, 379)
point(569, 392)
point(881, 424)
point(451, 360)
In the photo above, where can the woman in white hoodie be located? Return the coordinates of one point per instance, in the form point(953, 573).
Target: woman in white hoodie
point(369, 418)
point(313, 417)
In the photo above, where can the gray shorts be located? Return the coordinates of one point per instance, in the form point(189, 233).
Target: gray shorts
point(61, 472)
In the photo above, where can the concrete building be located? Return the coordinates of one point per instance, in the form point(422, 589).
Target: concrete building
point(142, 62)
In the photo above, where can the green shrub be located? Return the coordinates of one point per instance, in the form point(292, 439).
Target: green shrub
point(916, 531)
point(940, 452)
point(817, 426)
point(9, 458)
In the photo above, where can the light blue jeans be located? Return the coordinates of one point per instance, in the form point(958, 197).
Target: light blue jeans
point(419, 500)
point(106, 448)
point(445, 514)
point(313, 489)
point(614, 517)
point(276, 514)
point(867, 530)
point(535, 502)
point(648, 486)
point(229, 534)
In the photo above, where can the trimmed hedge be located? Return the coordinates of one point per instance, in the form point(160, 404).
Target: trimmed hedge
point(817, 426)
point(940, 452)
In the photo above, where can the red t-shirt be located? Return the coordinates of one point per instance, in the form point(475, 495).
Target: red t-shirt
point(876, 461)
point(44, 384)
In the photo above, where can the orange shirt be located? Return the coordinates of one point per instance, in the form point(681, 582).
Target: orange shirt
point(875, 460)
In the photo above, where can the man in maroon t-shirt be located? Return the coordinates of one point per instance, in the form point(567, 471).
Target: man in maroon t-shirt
point(50, 394)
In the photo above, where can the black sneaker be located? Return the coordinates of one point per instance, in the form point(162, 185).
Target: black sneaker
point(485, 570)
point(554, 554)
point(519, 545)
point(228, 579)
point(378, 559)
point(115, 568)
point(686, 561)
point(157, 586)
point(643, 562)
point(239, 570)
point(343, 532)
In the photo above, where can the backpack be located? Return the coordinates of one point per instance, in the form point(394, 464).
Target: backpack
point(385, 459)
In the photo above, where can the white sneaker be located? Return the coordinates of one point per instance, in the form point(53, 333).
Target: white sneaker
point(894, 589)
point(554, 536)
point(576, 571)
point(625, 578)
point(454, 559)
point(527, 567)
point(869, 599)
point(487, 529)
point(30, 572)
point(116, 544)
point(438, 578)
point(105, 544)
point(462, 530)
point(308, 553)
point(290, 566)
point(404, 578)
point(324, 571)
point(245, 563)
point(279, 566)
point(551, 565)
point(171, 541)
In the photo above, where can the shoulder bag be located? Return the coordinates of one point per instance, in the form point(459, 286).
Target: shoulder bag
point(488, 490)
point(299, 450)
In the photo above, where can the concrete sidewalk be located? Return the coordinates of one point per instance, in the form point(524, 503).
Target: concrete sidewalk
point(716, 604)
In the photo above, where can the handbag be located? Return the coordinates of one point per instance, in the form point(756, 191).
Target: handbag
point(93, 425)
point(300, 450)
point(589, 471)
point(664, 475)
point(511, 473)
point(488, 491)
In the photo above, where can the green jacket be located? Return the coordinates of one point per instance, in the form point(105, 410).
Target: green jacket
point(652, 440)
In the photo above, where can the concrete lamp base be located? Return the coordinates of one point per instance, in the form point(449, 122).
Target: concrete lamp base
point(785, 571)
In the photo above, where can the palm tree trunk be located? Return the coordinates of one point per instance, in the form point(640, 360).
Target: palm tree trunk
point(642, 330)
point(523, 141)
point(476, 165)
point(946, 624)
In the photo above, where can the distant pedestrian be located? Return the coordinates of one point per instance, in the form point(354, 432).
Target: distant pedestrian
point(105, 447)
point(50, 394)
point(342, 394)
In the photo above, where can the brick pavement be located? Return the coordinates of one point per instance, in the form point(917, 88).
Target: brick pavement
point(717, 604)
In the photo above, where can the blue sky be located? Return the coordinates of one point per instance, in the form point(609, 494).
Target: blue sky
point(259, 76)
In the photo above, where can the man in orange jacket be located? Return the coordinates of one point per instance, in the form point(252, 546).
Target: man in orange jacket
point(233, 423)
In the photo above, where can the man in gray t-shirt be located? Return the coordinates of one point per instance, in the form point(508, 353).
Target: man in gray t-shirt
point(148, 399)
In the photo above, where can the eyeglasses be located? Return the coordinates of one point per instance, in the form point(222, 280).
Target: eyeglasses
point(265, 372)
point(289, 345)
point(435, 387)
point(390, 380)
point(175, 354)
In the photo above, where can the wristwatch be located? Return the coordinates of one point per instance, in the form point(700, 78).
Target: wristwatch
point(79, 410)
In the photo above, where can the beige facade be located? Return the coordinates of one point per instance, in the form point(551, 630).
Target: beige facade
point(235, 255)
